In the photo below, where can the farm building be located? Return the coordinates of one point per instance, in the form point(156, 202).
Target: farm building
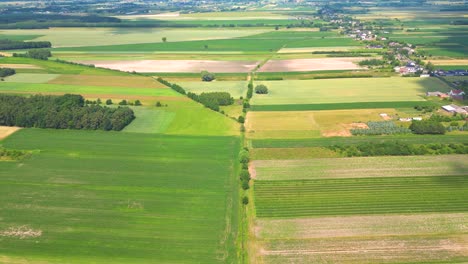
point(457, 94)
point(456, 109)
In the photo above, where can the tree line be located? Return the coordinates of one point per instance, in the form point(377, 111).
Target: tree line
point(61, 112)
point(7, 44)
point(4, 72)
point(38, 54)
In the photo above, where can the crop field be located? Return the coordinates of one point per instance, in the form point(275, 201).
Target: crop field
point(360, 167)
point(209, 16)
point(175, 66)
point(116, 81)
point(235, 88)
point(346, 90)
point(324, 64)
point(365, 239)
point(72, 37)
point(87, 195)
point(7, 131)
point(263, 42)
point(384, 195)
point(89, 91)
point(297, 124)
point(31, 78)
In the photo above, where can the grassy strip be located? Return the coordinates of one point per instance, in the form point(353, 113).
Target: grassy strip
point(323, 142)
point(361, 196)
point(340, 106)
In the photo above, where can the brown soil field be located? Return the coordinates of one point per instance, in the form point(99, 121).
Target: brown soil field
point(118, 81)
point(177, 65)
point(449, 62)
point(323, 64)
point(6, 131)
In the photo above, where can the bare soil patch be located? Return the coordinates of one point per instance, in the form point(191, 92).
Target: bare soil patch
point(177, 65)
point(7, 131)
point(345, 132)
point(21, 232)
point(323, 64)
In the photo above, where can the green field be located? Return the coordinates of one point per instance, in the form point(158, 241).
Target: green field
point(84, 90)
point(331, 91)
point(235, 88)
point(119, 197)
point(264, 42)
point(31, 78)
point(361, 167)
point(361, 196)
point(72, 37)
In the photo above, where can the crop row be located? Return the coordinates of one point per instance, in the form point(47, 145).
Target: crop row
point(361, 196)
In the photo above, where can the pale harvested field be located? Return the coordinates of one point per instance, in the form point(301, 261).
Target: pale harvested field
point(361, 167)
point(303, 124)
point(323, 64)
point(450, 62)
point(364, 239)
point(177, 65)
point(118, 81)
point(312, 49)
point(7, 131)
point(20, 66)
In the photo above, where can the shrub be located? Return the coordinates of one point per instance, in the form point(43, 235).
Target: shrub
point(245, 185)
point(261, 89)
point(158, 104)
point(241, 119)
point(4, 72)
point(207, 77)
point(244, 156)
point(245, 200)
point(109, 102)
point(427, 127)
point(138, 103)
point(123, 102)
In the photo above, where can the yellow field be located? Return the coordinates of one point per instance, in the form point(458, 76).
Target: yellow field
point(304, 124)
point(7, 131)
point(449, 62)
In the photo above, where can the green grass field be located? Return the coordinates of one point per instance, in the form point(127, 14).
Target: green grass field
point(331, 91)
point(235, 88)
point(341, 106)
point(119, 197)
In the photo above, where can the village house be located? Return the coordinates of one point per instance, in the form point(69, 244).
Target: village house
point(456, 94)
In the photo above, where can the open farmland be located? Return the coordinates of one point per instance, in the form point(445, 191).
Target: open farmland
point(295, 198)
point(155, 66)
point(7, 131)
point(347, 91)
point(360, 167)
point(88, 195)
point(209, 16)
point(99, 80)
point(73, 37)
point(311, 65)
point(303, 124)
point(235, 88)
point(365, 239)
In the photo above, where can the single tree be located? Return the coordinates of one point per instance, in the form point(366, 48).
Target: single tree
point(138, 103)
point(261, 89)
point(164, 39)
point(109, 102)
point(207, 77)
point(123, 102)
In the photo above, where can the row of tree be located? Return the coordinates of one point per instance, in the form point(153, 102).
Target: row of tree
point(38, 54)
point(396, 148)
point(7, 44)
point(61, 112)
point(212, 100)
